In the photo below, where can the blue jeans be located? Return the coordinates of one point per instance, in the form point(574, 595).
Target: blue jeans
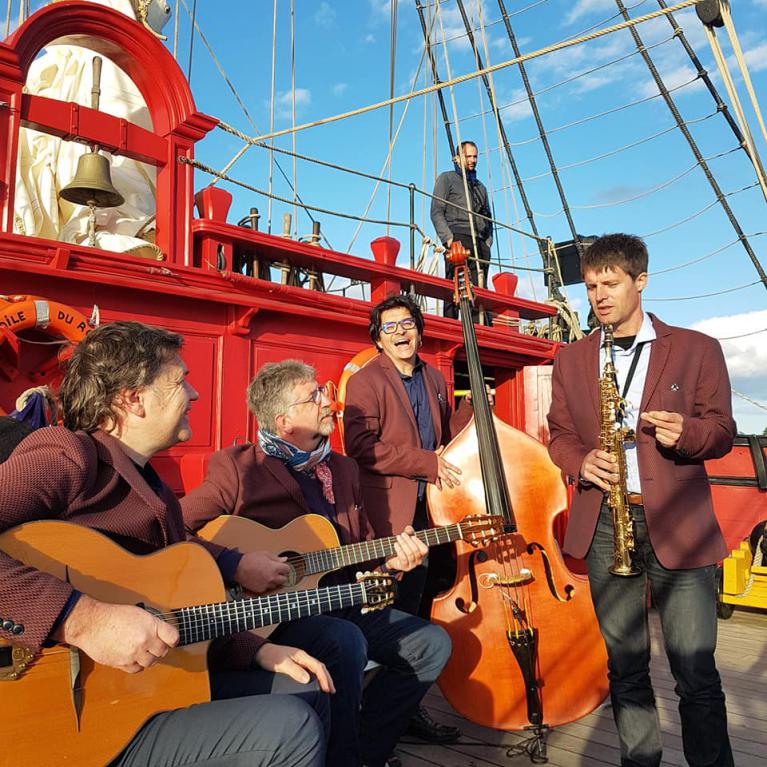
point(686, 603)
point(365, 729)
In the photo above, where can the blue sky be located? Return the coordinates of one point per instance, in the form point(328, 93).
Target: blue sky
point(342, 62)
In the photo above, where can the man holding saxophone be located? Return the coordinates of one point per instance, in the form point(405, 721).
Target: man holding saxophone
point(641, 513)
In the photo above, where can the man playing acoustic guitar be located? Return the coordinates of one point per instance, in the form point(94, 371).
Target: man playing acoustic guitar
point(291, 472)
point(125, 397)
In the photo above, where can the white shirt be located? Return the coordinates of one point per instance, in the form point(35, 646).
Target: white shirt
point(622, 359)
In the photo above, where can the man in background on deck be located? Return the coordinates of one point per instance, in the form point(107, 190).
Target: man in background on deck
point(125, 397)
point(397, 417)
point(677, 391)
point(460, 202)
point(291, 472)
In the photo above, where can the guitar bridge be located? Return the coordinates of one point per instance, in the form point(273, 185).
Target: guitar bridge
point(13, 661)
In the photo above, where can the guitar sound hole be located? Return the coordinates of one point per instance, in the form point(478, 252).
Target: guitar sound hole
point(6, 657)
point(297, 567)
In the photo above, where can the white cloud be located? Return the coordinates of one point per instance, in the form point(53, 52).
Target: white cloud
point(369, 39)
point(746, 355)
point(339, 89)
point(756, 59)
point(586, 7)
point(284, 102)
point(325, 15)
point(672, 79)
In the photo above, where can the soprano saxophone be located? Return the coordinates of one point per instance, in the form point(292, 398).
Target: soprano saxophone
point(612, 439)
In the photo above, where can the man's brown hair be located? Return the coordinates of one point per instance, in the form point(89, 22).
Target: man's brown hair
point(610, 250)
point(110, 359)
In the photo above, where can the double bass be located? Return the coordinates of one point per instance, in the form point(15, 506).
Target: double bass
point(527, 651)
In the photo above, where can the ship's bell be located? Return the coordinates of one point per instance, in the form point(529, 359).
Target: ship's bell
point(92, 184)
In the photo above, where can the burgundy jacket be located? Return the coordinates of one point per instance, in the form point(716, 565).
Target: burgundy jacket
point(243, 480)
point(687, 375)
point(381, 434)
point(89, 480)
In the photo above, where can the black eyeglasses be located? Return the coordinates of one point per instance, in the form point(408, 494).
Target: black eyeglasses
point(315, 397)
point(391, 327)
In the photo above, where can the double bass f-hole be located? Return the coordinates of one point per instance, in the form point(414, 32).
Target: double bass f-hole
point(569, 588)
point(460, 602)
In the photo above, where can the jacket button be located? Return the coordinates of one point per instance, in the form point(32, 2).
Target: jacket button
point(17, 629)
point(8, 625)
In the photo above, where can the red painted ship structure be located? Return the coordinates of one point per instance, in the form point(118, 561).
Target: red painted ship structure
point(232, 322)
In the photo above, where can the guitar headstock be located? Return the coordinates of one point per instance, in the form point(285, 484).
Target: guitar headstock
point(380, 590)
point(479, 529)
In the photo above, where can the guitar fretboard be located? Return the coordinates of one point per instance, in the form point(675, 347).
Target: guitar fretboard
point(325, 560)
point(204, 622)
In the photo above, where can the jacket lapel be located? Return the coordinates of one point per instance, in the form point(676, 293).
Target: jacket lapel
point(594, 346)
point(344, 500)
point(112, 453)
point(660, 349)
point(280, 472)
point(432, 387)
point(395, 381)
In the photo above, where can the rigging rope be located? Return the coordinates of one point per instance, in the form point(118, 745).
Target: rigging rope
point(704, 258)
point(271, 115)
point(225, 177)
point(747, 138)
point(692, 143)
point(392, 70)
point(562, 45)
point(571, 79)
point(693, 216)
point(620, 149)
point(614, 110)
point(175, 32)
point(707, 295)
point(541, 132)
point(244, 109)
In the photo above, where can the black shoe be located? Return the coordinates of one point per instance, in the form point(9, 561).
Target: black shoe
point(422, 726)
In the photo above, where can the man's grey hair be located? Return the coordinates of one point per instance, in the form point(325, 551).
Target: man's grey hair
point(271, 391)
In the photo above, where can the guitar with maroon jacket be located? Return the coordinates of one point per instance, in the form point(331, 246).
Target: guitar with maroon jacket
point(311, 544)
point(90, 712)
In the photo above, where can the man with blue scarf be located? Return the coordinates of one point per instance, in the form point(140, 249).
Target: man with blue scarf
point(460, 212)
point(292, 471)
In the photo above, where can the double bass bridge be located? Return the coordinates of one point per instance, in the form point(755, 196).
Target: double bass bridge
point(492, 580)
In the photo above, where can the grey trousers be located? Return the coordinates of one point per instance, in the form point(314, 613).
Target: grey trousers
point(254, 731)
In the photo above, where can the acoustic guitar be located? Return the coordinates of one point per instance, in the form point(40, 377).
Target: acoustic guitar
point(58, 707)
point(311, 544)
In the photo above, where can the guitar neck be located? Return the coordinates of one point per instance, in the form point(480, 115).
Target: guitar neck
point(325, 560)
point(205, 622)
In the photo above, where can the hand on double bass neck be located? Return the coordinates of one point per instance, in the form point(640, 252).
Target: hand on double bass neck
point(447, 473)
point(121, 636)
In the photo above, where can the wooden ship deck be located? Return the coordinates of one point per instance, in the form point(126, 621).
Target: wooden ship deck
point(742, 660)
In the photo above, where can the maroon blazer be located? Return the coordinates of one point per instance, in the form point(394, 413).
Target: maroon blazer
point(381, 434)
point(89, 480)
point(687, 374)
point(243, 480)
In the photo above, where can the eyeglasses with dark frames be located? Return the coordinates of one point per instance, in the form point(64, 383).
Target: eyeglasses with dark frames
point(408, 323)
point(315, 397)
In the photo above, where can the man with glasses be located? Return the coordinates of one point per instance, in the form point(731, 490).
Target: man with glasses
point(292, 471)
point(460, 212)
point(397, 416)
